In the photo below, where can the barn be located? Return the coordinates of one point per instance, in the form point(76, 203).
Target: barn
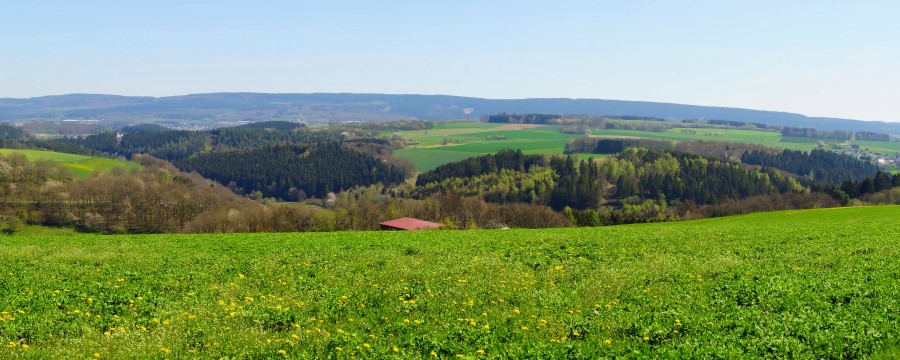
point(408, 224)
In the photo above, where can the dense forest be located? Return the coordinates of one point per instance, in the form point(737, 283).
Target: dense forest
point(293, 172)
point(816, 165)
point(636, 184)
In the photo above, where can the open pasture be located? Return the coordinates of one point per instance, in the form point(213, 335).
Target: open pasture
point(80, 165)
point(884, 147)
point(796, 284)
point(456, 141)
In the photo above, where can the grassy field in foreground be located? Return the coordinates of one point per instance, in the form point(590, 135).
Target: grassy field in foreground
point(808, 284)
point(80, 165)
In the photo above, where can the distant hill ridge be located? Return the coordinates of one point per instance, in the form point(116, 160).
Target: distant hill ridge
point(363, 107)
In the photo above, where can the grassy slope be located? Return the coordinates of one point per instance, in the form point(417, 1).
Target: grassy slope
point(820, 283)
point(470, 139)
point(80, 165)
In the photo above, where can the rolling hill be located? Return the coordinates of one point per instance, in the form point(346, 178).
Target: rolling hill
point(218, 107)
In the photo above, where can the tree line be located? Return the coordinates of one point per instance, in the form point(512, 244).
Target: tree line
point(591, 145)
point(834, 135)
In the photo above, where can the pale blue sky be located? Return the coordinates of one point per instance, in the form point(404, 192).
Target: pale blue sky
point(821, 58)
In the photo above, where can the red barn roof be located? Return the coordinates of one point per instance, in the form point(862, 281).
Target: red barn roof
point(408, 224)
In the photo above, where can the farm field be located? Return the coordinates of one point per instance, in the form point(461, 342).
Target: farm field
point(471, 139)
point(464, 140)
point(796, 284)
point(80, 165)
point(885, 147)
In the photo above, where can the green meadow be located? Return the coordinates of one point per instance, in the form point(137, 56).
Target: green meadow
point(885, 147)
point(795, 284)
point(80, 165)
point(456, 141)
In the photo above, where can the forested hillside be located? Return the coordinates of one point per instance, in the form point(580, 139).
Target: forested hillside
point(273, 159)
point(292, 172)
point(817, 165)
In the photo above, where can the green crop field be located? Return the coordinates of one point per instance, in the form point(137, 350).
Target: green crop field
point(80, 165)
point(472, 139)
point(797, 284)
point(886, 147)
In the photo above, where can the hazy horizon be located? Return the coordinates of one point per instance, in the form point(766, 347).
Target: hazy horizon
point(816, 59)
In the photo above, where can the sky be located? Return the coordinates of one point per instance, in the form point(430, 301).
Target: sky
point(817, 58)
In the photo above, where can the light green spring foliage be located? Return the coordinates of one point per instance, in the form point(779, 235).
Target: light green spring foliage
point(81, 166)
point(797, 284)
